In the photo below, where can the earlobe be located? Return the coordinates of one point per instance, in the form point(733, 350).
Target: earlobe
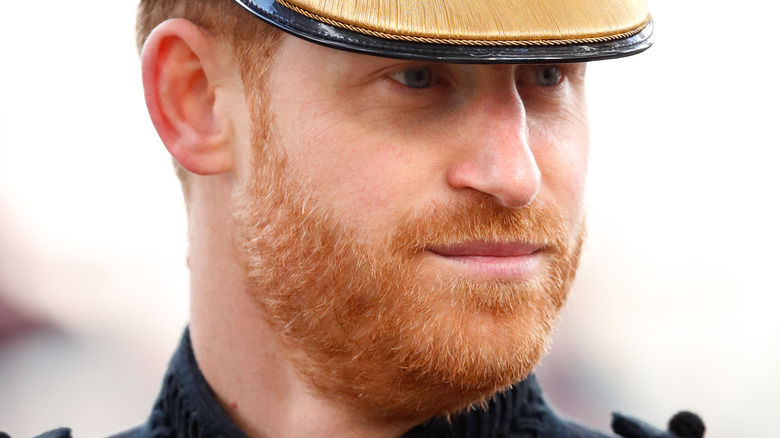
point(182, 76)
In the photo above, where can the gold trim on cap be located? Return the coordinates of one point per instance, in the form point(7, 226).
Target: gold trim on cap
point(485, 22)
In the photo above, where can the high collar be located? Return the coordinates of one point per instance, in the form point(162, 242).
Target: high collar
point(186, 408)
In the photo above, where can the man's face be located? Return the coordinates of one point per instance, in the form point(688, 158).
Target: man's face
point(412, 228)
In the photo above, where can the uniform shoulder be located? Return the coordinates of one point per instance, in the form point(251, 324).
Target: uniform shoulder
point(62, 432)
point(682, 425)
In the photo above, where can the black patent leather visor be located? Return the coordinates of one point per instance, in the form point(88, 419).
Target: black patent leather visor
point(318, 32)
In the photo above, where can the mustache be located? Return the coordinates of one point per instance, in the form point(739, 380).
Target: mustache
point(539, 223)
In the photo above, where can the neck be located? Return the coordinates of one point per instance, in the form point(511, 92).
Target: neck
point(238, 352)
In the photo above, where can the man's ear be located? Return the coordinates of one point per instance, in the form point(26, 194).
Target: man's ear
point(184, 76)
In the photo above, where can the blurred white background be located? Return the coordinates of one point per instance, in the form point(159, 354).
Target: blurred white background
point(675, 305)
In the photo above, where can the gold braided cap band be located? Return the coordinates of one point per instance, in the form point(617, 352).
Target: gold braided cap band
point(467, 30)
point(485, 22)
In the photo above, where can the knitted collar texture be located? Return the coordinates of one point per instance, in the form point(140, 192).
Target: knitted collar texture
point(186, 408)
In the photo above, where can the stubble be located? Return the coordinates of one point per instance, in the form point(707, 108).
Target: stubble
point(365, 319)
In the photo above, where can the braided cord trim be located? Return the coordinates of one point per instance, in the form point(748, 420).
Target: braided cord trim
point(464, 41)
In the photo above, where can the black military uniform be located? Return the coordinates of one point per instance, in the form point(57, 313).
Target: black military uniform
point(186, 408)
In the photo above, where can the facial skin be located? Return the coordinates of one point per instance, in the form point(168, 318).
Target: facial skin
point(373, 241)
point(413, 228)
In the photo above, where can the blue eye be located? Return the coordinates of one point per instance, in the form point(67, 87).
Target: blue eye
point(548, 76)
point(418, 77)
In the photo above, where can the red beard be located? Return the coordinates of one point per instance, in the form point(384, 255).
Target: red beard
point(366, 324)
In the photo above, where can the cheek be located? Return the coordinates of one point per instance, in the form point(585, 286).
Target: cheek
point(561, 150)
point(360, 171)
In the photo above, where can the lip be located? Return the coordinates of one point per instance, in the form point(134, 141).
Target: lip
point(510, 261)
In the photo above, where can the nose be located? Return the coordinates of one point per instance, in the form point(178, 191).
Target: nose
point(496, 157)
